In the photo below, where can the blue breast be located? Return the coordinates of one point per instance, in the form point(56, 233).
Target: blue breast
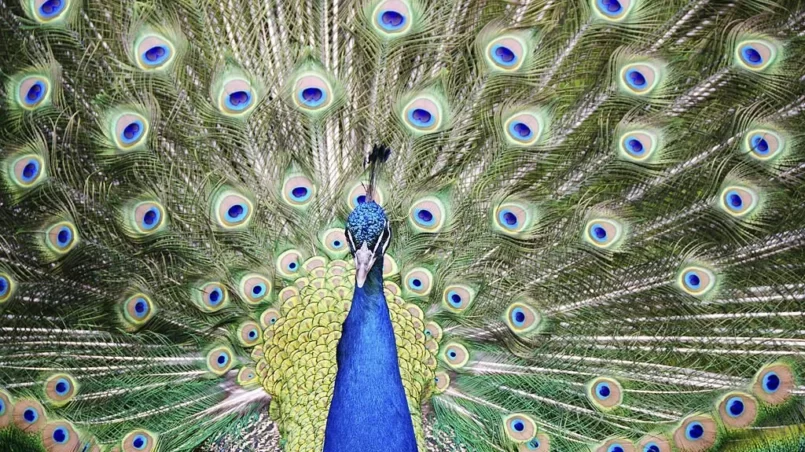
point(369, 412)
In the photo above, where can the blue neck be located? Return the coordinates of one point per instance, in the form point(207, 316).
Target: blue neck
point(369, 412)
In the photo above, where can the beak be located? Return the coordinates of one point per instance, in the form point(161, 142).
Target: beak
point(362, 270)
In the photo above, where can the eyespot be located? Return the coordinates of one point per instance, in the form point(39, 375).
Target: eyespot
point(696, 433)
point(29, 415)
point(519, 427)
point(390, 266)
point(603, 233)
point(139, 441)
point(604, 393)
point(237, 97)
point(130, 131)
point(50, 10)
point(298, 191)
point(433, 331)
point(427, 215)
point(269, 317)
point(137, 310)
point(738, 201)
point(5, 408)
point(249, 333)
point(523, 129)
point(220, 360)
point(616, 445)
point(33, 92)
point(312, 92)
point(612, 10)
point(506, 53)
point(232, 210)
point(27, 171)
point(423, 114)
point(764, 144)
point(247, 376)
point(254, 288)
point(755, 54)
point(441, 381)
point(357, 195)
point(211, 297)
point(540, 443)
point(418, 282)
point(512, 218)
point(148, 218)
point(737, 410)
point(60, 436)
point(455, 355)
point(7, 287)
point(457, 297)
point(154, 52)
point(60, 389)
point(696, 281)
point(638, 145)
point(522, 319)
point(289, 263)
point(392, 18)
point(61, 237)
point(654, 443)
point(334, 243)
point(639, 78)
point(774, 383)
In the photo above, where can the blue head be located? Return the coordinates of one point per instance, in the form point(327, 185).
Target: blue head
point(369, 235)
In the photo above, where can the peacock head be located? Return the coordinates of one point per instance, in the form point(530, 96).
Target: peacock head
point(369, 235)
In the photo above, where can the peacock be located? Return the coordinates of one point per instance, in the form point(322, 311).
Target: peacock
point(402, 225)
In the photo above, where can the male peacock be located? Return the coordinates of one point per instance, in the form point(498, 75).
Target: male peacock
point(402, 225)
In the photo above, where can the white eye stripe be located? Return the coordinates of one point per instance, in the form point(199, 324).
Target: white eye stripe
point(351, 241)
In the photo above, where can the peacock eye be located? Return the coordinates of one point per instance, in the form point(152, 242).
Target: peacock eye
point(7, 287)
point(738, 410)
point(519, 427)
point(60, 436)
point(523, 129)
point(237, 97)
point(137, 310)
point(522, 319)
point(755, 54)
point(33, 91)
point(269, 317)
point(696, 433)
point(427, 215)
point(27, 171)
point(392, 18)
point(231, 210)
point(639, 78)
point(638, 145)
point(139, 440)
point(774, 383)
point(505, 53)
point(147, 218)
point(249, 333)
point(154, 52)
point(247, 375)
point(603, 233)
point(298, 191)
point(455, 355)
point(29, 415)
point(604, 393)
point(211, 296)
point(457, 297)
point(696, 280)
point(612, 10)
point(50, 10)
point(423, 114)
point(288, 264)
point(513, 218)
point(130, 130)
point(61, 237)
point(418, 282)
point(254, 288)
point(219, 360)
point(60, 389)
point(441, 381)
point(738, 201)
point(764, 144)
point(312, 92)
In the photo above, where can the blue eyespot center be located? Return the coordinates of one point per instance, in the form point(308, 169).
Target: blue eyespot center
point(258, 289)
point(424, 216)
point(636, 78)
point(156, 55)
point(216, 296)
point(455, 299)
point(651, 447)
point(140, 308)
point(132, 132)
point(695, 431)
point(735, 200)
point(30, 415)
point(518, 425)
point(693, 280)
point(222, 359)
point(599, 233)
point(452, 354)
point(35, 93)
point(64, 236)
point(30, 171)
point(4, 285)
point(519, 316)
point(360, 199)
point(60, 435)
point(391, 20)
point(416, 282)
point(62, 386)
point(312, 96)
point(735, 407)
point(615, 448)
point(421, 117)
point(337, 243)
point(509, 219)
point(610, 7)
point(151, 218)
point(603, 390)
point(504, 55)
point(634, 146)
point(520, 130)
point(301, 194)
point(51, 8)
point(239, 100)
point(751, 56)
point(252, 334)
point(533, 444)
point(139, 442)
point(760, 145)
point(237, 213)
point(293, 265)
point(771, 382)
